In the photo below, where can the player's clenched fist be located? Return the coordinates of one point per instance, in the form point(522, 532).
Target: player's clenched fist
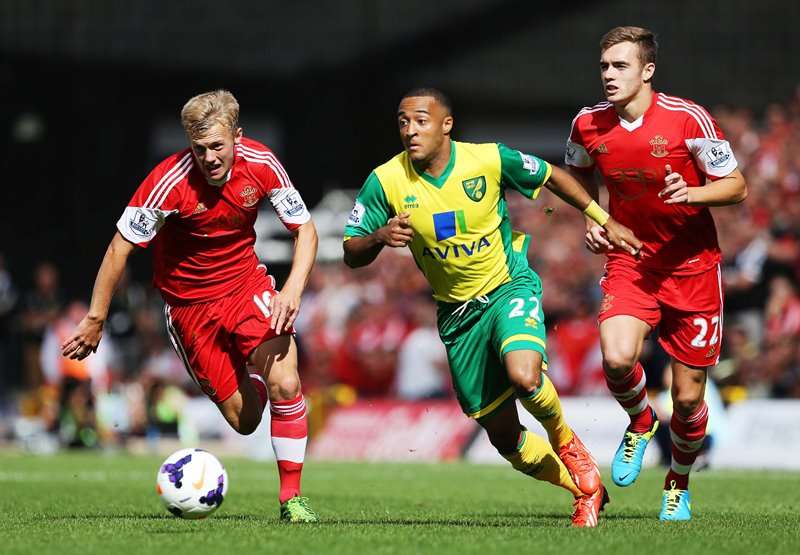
point(676, 190)
point(397, 232)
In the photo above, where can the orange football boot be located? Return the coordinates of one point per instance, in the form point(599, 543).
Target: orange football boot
point(581, 465)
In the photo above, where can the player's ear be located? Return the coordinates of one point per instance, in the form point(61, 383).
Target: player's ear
point(447, 124)
point(648, 71)
point(237, 135)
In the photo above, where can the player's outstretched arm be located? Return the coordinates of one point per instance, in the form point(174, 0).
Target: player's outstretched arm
point(724, 191)
point(285, 305)
point(361, 251)
point(568, 189)
point(86, 337)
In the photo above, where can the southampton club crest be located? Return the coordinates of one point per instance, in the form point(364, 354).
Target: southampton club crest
point(475, 188)
point(249, 196)
point(659, 145)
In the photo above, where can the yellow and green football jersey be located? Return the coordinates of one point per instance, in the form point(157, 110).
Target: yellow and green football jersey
point(463, 241)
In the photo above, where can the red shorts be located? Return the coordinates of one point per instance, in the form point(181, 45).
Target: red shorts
point(214, 339)
point(687, 309)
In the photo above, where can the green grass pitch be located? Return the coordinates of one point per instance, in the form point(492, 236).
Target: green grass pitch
point(92, 503)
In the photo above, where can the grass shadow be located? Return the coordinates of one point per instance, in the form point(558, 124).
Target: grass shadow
point(157, 517)
point(454, 522)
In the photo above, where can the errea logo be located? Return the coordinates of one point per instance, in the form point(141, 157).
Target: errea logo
point(410, 202)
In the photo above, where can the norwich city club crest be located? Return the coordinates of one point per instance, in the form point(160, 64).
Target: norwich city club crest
point(475, 188)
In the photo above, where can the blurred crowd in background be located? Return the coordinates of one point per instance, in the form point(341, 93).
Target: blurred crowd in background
point(372, 332)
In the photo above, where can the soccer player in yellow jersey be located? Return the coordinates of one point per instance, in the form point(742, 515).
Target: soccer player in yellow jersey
point(445, 201)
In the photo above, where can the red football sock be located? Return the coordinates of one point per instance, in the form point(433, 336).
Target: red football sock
point(630, 391)
point(687, 435)
point(261, 388)
point(289, 435)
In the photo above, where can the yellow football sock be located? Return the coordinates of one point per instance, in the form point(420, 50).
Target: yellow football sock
point(536, 458)
point(545, 406)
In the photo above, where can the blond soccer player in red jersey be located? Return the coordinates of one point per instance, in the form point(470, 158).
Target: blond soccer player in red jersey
point(664, 162)
point(224, 313)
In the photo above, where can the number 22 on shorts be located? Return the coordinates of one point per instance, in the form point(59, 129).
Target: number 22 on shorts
point(519, 303)
point(702, 325)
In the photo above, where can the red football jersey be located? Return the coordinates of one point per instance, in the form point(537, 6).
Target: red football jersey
point(203, 234)
point(631, 157)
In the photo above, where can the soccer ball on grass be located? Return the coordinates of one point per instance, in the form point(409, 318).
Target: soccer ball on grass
point(192, 483)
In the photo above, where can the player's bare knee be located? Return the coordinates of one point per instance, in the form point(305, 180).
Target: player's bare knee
point(685, 404)
point(618, 361)
point(524, 371)
point(284, 389)
point(526, 379)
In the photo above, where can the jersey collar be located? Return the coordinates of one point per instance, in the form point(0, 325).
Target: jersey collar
point(439, 182)
point(638, 122)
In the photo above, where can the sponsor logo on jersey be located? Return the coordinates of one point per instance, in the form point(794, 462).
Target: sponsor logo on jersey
point(659, 145)
point(571, 153)
point(718, 155)
point(450, 224)
point(199, 208)
point(530, 163)
point(356, 214)
point(632, 183)
point(475, 187)
point(531, 323)
point(447, 224)
point(712, 351)
point(142, 223)
point(292, 205)
point(602, 149)
point(410, 202)
point(637, 175)
point(249, 196)
point(457, 250)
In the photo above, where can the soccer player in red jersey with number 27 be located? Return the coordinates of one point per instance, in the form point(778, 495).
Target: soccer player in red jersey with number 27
point(664, 162)
point(197, 208)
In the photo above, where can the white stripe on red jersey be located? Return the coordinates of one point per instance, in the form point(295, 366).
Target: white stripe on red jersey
point(268, 158)
point(698, 113)
point(181, 168)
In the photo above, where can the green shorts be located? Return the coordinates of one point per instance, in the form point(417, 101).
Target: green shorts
point(478, 333)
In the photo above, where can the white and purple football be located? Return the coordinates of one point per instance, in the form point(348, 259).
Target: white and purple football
point(192, 483)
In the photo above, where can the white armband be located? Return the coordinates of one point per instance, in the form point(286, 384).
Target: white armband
point(577, 156)
point(714, 156)
point(140, 225)
point(289, 206)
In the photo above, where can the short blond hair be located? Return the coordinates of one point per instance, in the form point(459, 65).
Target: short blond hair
point(645, 39)
point(205, 110)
